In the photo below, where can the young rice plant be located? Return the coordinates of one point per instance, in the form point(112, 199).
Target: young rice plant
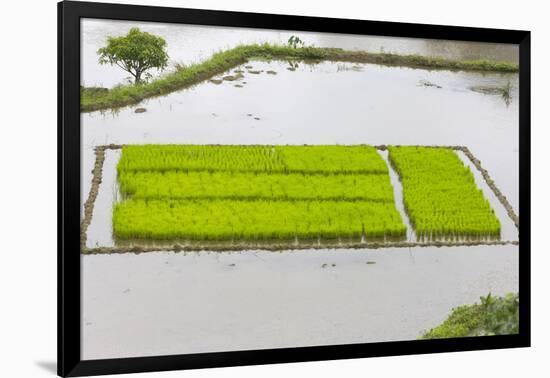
point(235, 193)
point(254, 185)
point(227, 220)
point(441, 196)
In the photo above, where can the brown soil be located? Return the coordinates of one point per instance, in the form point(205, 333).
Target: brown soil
point(288, 246)
point(94, 190)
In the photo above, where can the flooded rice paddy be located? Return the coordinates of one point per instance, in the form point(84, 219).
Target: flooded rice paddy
point(170, 303)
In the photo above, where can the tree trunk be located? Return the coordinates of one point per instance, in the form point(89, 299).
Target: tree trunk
point(138, 77)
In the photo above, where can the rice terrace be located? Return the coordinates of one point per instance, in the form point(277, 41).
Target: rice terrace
point(250, 189)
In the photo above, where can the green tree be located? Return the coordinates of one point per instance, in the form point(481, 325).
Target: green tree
point(136, 53)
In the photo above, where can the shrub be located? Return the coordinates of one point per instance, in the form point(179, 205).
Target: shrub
point(492, 316)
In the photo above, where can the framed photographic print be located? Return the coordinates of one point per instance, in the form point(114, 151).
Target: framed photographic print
point(239, 188)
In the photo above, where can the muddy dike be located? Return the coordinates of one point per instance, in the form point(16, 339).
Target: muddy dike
point(243, 247)
point(97, 174)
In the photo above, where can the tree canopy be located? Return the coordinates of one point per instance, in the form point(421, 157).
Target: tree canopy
point(137, 52)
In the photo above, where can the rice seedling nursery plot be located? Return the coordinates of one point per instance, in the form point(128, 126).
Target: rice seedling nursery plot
point(236, 193)
point(339, 159)
point(239, 185)
point(164, 158)
point(223, 220)
point(441, 196)
point(298, 159)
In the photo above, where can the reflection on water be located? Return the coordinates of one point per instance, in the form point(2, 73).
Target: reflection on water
point(192, 43)
point(504, 91)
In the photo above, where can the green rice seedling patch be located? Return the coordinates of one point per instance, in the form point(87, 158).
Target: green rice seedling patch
point(162, 158)
point(254, 158)
point(246, 185)
point(229, 220)
point(332, 158)
point(246, 193)
point(441, 196)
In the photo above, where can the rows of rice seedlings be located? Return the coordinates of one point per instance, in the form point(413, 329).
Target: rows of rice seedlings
point(234, 185)
point(441, 196)
point(332, 158)
point(229, 220)
point(198, 192)
point(237, 158)
point(162, 158)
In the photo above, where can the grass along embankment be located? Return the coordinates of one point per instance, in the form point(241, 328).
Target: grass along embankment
point(492, 316)
point(99, 98)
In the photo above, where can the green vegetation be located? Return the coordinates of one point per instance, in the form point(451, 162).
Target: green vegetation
point(294, 41)
point(440, 194)
point(186, 76)
point(255, 220)
point(135, 53)
point(237, 185)
point(336, 159)
point(297, 159)
point(162, 158)
point(234, 193)
point(493, 316)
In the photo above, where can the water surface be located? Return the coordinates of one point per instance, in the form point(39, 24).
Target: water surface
point(170, 303)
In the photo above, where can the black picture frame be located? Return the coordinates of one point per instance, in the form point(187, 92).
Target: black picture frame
point(69, 312)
